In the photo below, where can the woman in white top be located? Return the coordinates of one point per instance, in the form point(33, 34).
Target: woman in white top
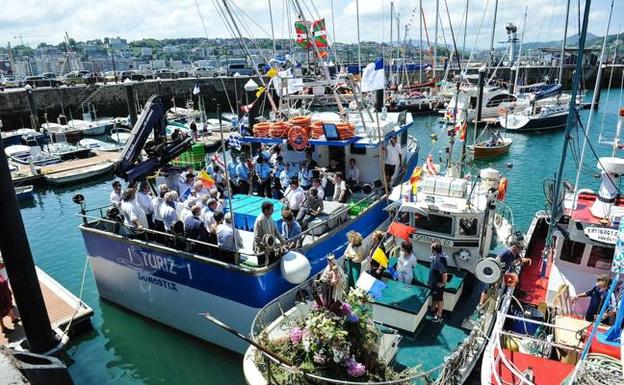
point(406, 263)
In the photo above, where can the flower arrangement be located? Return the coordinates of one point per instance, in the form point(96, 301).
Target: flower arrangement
point(338, 341)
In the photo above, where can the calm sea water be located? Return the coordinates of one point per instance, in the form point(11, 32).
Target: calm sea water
point(124, 348)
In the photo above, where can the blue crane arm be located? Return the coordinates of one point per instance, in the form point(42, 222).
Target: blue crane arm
point(159, 150)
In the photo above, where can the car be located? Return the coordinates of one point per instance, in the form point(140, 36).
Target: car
point(74, 77)
point(238, 68)
point(132, 75)
point(8, 82)
point(164, 74)
point(202, 72)
point(182, 74)
point(48, 75)
point(39, 81)
point(93, 77)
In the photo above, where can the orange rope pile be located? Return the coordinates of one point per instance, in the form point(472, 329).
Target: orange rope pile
point(279, 130)
point(316, 129)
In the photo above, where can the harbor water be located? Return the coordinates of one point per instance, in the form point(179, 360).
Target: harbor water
point(124, 348)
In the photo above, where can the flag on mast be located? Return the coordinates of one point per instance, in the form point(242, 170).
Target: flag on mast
point(320, 33)
point(373, 76)
point(196, 89)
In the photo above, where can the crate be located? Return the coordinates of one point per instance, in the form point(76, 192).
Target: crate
point(357, 209)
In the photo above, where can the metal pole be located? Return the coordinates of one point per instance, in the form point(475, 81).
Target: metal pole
point(465, 29)
point(493, 33)
point(420, 25)
point(21, 267)
point(331, 4)
point(227, 174)
point(435, 41)
point(526, 10)
point(554, 213)
point(357, 13)
point(272, 29)
point(563, 44)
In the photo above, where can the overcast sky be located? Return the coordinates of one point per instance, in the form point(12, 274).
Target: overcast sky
point(45, 20)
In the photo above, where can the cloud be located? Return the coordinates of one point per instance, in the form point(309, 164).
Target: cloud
point(43, 20)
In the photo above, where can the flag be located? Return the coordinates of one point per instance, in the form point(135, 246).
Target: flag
point(234, 141)
point(272, 73)
point(380, 256)
point(206, 179)
point(370, 284)
point(320, 33)
point(247, 107)
point(260, 91)
point(415, 178)
point(401, 231)
point(185, 195)
point(432, 169)
point(461, 129)
point(196, 89)
point(373, 76)
point(301, 29)
point(217, 159)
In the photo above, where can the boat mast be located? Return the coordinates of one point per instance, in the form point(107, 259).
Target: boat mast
point(391, 36)
point(590, 118)
point(493, 33)
point(272, 29)
point(465, 29)
point(420, 26)
point(435, 41)
point(563, 44)
point(571, 121)
point(357, 16)
point(526, 10)
point(248, 54)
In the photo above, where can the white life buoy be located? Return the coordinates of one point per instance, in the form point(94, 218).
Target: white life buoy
point(488, 270)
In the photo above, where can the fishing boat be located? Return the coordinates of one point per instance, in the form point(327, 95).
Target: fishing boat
point(78, 174)
point(24, 192)
point(536, 118)
point(65, 151)
point(23, 154)
point(20, 136)
point(90, 128)
point(172, 281)
point(120, 135)
point(471, 224)
point(99, 145)
point(57, 129)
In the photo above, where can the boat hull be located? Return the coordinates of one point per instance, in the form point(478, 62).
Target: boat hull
point(72, 176)
point(93, 131)
point(553, 122)
point(482, 152)
point(173, 287)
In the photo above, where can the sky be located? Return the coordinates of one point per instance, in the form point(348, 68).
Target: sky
point(46, 21)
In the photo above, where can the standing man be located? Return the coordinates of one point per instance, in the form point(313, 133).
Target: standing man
point(341, 191)
point(194, 227)
point(263, 175)
point(353, 174)
point(115, 195)
point(144, 199)
point(263, 227)
point(134, 216)
point(393, 158)
point(438, 278)
point(294, 196)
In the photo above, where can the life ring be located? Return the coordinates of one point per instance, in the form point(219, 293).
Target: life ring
point(316, 129)
point(279, 130)
point(261, 129)
point(298, 138)
point(488, 270)
point(502, 189)
point(302, 121)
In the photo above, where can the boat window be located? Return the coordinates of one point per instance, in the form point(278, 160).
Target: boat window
point(498, 99)
point(435, 223)
point(473, 102)
point(468, 226)
point(572, 251)
point(600, 257)
point(404, 138)
point(357, 150)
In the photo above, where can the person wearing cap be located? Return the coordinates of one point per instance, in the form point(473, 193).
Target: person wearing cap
point(242, 177)
point(115, 195)
point(6, 303)
point(144, 199)
point(265, 226)
point(294, 196)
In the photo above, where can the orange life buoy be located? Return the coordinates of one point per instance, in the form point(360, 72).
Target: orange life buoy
point(298, 138)
point(302, 121)
point(502, 189)
point(316, 129)
point(279, 130)
point(261, 129)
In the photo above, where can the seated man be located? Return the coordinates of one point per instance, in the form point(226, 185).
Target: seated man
point(265, 232)
point(290, 229)
point(311, 208)
point(227, 237)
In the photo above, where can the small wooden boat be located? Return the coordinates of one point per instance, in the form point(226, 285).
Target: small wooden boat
point(489, 149)
point(24, 192)
point(78, 174)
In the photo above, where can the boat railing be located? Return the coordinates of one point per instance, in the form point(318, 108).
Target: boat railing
point(176, 240)
point(505, 212)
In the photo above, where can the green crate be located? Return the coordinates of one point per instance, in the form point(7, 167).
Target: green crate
point(356, 209)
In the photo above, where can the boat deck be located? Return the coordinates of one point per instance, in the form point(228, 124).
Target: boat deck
point(60, 304)
point(533, 287)
point(433, 341)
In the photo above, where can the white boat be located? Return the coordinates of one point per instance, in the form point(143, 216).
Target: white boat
point(90, 128)
point(23, 154)
point(120, 135)
point(66, 151)
point(536, 118)
point(79, 174)
point(55, 128)
point(186, 114)
point(24, 192)
point(99, 145)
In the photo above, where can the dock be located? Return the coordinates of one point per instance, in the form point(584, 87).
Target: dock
point(60, 304)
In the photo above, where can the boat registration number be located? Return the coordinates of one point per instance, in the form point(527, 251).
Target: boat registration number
point(428, 239)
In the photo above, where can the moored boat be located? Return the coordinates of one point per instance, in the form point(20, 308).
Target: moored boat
point(536, 118)
point(24, 192)
point(99, 145)
point(79, 174)
point(23, 154)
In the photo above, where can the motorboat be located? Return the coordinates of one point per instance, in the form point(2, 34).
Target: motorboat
point(23, 154)
point(64, 150)
point(120, 135)
point(21, 135)
point(536, 118)
point(99, 145)
point(79, 173)
point(57, 129)
point(494, 146)
point(90, 128)
point(183, 114)
point(23, 193)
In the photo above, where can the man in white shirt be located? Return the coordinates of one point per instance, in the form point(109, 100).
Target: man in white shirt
point(157, 202)
point(294, 196)
point(187, 184)
point(211, 208)
point(227, 237)
point(392, 158)
point(341, 191)
point(168, 211)
point(353, 174)
point(144, 199)
point(115, 195)
point(316, 183)
point(134, 216)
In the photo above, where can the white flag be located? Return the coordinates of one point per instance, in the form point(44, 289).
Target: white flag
point(373, 77)
point(196, 89)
